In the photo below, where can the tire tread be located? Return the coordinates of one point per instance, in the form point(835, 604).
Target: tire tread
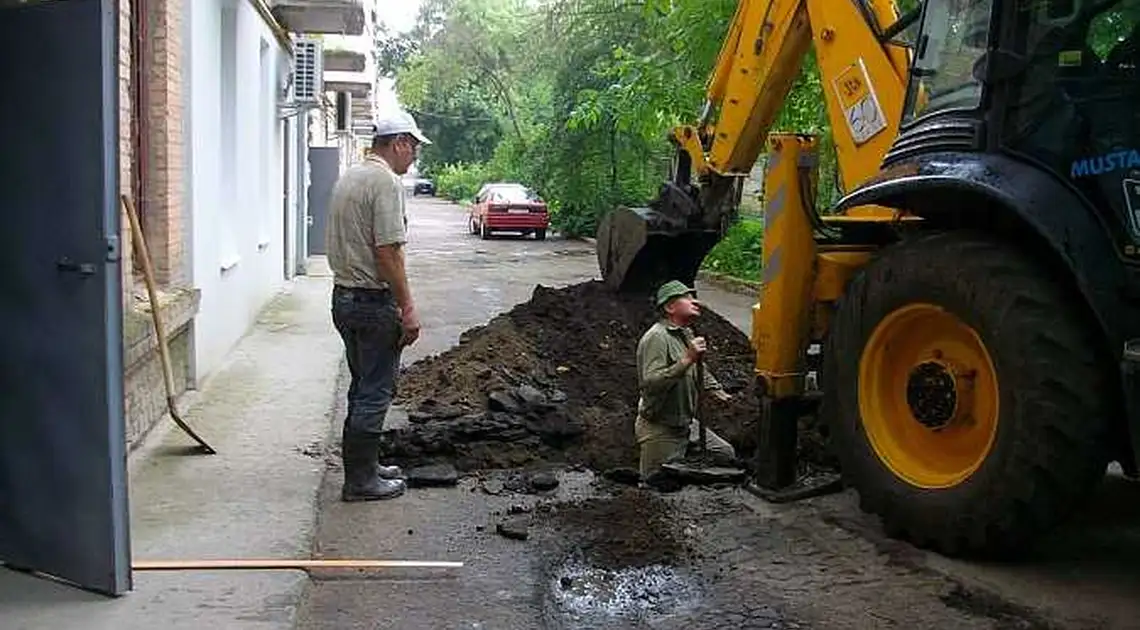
point(1060, 395)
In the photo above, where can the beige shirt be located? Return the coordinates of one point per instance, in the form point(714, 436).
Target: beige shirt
point(367, 210)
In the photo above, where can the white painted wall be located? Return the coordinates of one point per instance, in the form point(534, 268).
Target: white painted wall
point(242, 221)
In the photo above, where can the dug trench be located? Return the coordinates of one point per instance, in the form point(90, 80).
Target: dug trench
point(554, 381)
point(535, 407)
point(553, 384)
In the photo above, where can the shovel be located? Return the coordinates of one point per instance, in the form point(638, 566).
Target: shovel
point(700, 396)
point(697, 405)
point(139, 240)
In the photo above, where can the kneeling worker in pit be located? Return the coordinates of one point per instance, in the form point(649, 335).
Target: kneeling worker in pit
point(667, 357)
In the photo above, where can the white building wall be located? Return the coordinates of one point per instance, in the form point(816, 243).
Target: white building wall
point(242, 217)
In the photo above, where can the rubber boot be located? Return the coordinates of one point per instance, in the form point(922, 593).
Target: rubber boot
point(386, 472)
point(391, 472)
point(362, 480)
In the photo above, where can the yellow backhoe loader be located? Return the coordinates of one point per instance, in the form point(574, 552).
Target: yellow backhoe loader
point(975, 292)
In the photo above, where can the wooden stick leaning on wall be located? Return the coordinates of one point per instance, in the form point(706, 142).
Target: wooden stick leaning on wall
point(143, 252)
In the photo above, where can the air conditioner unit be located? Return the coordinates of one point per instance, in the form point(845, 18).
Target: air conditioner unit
point(308, 71)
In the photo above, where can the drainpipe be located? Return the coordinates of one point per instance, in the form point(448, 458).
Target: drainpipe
point(302, 163)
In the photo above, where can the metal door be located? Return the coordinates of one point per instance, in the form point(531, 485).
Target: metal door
point(63, 490)
point(324, 168)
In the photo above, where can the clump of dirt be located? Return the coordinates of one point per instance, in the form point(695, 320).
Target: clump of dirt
point(988, 605)
point(629, 530)
point(555, 380)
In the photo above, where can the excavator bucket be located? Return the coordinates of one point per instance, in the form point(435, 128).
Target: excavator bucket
point(639, 249)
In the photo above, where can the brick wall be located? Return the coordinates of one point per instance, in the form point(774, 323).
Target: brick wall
point(165, 171)
point(126, 112)
point(161, 165)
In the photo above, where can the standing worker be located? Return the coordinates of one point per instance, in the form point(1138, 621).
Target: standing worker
point(372, 306)
point(667, 358)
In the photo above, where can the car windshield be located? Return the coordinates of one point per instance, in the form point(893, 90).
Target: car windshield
point(513, 194)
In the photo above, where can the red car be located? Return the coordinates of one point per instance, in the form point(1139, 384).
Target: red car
point(506, 207)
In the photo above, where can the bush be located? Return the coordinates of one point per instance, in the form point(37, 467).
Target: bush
point(739, 253)
point(461, 181)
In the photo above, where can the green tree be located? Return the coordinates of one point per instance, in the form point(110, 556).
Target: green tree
point(574, 98)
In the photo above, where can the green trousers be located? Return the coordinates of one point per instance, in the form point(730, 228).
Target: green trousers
point(658, 444)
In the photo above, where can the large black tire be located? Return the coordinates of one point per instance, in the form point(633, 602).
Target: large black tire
point(1054, 391)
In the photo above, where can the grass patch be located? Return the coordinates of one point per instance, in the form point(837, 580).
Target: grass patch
point(738, 254)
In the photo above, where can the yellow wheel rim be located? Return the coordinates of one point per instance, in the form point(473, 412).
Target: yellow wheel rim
point(928, 396)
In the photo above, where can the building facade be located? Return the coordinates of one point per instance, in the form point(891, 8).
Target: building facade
point(214, 161)
point(241, 189)
point(339, 129)
point(350, 77)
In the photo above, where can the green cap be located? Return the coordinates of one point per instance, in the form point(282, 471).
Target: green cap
point(672, 289)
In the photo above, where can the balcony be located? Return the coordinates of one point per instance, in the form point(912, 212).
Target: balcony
point(362, 128)
point(352, 82)
point(340, 60)
point(361, 109)
point(309, 17)
point(362, 122)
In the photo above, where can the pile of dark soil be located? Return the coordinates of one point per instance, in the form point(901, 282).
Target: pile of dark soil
point(630, 530)
point(555, 380)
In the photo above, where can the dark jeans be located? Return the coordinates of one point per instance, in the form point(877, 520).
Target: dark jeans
point(368, 321)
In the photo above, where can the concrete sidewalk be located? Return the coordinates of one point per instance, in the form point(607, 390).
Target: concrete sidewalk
point(266, 411)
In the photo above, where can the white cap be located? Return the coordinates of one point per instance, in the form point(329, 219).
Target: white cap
point(396, 122)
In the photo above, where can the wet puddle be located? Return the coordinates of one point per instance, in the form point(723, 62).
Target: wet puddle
point(585, 596)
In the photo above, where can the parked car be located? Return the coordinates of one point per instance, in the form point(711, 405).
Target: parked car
point(418, 185)
point(508, 207)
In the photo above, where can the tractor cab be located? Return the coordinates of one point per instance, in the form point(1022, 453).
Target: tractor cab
point(1050, 82)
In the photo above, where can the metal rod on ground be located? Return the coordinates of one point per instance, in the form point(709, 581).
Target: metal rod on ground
point(164, 352)
point(246, 565)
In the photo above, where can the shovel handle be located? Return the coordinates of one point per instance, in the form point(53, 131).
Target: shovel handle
point(700, 399)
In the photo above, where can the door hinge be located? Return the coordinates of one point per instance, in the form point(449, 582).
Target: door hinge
point(113, 253)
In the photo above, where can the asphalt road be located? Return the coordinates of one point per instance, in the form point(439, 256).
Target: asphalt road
point(815, 564)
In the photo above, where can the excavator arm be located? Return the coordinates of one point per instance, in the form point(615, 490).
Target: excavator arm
point(863, 76)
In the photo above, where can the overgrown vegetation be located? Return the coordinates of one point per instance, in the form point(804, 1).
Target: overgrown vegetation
point(574, 98)
point(738, 254)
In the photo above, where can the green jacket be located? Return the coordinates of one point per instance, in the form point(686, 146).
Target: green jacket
point(668, 388)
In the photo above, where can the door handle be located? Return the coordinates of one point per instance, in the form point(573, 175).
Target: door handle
point(309, 220)
point(67, 264)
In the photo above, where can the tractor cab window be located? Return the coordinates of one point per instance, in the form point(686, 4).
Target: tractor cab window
point(953, 38)
point(1073, 108)
point(1112, 37)
point(905, 30)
